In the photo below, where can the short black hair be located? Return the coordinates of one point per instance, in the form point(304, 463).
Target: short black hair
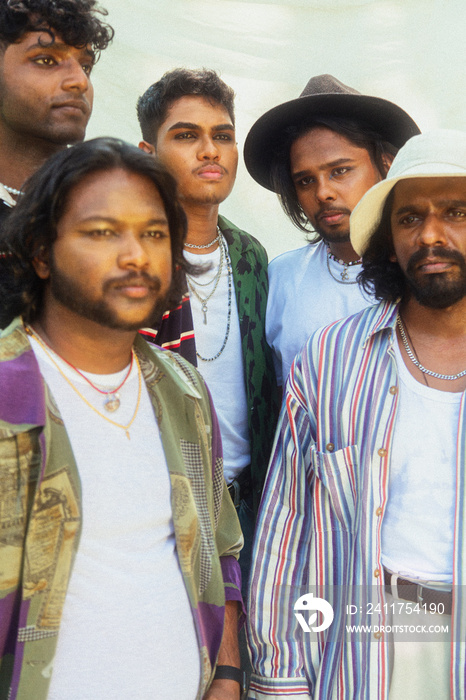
point(76, 21)
point(380, 276)
point(358, 132)
point(31, 227)
point(153, 105)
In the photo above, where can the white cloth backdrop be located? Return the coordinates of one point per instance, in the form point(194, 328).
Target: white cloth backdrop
point(412, 52)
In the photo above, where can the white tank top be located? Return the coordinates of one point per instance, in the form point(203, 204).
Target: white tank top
point(418, 525)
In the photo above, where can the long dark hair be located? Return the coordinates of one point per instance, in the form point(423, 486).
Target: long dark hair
point(381, 276)
point(360, 134)
point(31, 227)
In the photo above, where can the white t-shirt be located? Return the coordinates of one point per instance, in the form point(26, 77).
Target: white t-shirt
point(303, 297)
point(418, 524)
point(127, 620)
point(225, 375)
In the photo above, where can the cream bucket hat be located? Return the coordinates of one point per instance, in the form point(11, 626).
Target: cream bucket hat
point(439, 153)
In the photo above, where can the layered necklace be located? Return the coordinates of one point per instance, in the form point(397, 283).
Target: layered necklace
point(112, 398)
point(192, 283)
point(344, 273)
point(415, 361)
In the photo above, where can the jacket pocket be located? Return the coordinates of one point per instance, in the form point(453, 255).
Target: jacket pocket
point(335, 488)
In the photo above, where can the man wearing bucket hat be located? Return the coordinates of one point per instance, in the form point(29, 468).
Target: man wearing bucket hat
point(320, 152)
point(363, 516)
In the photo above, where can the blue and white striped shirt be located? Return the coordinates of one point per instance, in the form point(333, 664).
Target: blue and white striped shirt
point(320, 521)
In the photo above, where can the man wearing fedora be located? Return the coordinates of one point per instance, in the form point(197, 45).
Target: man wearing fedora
point(363, 516)
point(320, 152)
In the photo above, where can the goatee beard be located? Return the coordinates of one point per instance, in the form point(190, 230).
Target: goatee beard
point(435, 290)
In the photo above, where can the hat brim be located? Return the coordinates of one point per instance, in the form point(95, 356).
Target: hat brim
point(367, 214)
point(267, 134)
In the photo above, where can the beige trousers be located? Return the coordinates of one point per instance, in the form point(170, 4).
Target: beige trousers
point(420, 670)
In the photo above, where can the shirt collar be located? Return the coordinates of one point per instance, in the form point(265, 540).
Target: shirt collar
point(385, 315)
point(23, 395)
point(233, 236)
point(166, 361)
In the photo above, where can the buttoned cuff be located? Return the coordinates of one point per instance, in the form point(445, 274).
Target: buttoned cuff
point(278, 688)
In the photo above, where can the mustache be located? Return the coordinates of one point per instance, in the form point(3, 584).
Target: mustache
point(327, 209)
point(135, 279)
point(421, 255)
point(212, 164)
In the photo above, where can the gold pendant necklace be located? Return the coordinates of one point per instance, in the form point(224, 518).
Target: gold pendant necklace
point(44, 347)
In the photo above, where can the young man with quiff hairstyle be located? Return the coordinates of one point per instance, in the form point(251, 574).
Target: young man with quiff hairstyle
point(187, 122)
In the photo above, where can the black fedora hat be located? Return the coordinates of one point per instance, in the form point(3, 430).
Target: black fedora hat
point(323, 95)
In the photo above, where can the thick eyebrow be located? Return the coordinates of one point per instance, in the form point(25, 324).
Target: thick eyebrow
point(196, 127)
point(444, 203)
point(109, 220)
point(61, 47)
point(324, 166)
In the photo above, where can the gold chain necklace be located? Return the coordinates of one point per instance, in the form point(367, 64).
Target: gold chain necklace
point(126, 428)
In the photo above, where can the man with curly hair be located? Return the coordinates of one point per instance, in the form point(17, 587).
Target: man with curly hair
point(47, 52)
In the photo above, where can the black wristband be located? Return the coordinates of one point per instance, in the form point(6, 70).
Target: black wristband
point(230, 673)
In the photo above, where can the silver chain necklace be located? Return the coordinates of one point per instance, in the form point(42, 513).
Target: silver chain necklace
point(344, 273)
point(437, 375)
point(11, 190)
point(207, 245)
point(223, 245)
point(204, 300)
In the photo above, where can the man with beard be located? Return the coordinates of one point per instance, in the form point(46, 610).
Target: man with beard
point(47, 53)
point(118, 539)
point(364, 504)
point(320, 152)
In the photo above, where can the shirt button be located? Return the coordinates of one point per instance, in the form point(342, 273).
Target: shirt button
point(377, 573)
point(330, 447)
point(382, 452)
point(393, 390)
point(379, 511)
point(377, 635)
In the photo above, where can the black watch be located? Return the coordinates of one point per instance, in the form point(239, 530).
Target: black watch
point(231, 673)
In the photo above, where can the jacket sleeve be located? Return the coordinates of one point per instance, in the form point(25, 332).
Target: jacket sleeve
point(281, 563)
point(229, 538)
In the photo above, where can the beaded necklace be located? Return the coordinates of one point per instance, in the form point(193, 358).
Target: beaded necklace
point(344, 273)
point(11, 190)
